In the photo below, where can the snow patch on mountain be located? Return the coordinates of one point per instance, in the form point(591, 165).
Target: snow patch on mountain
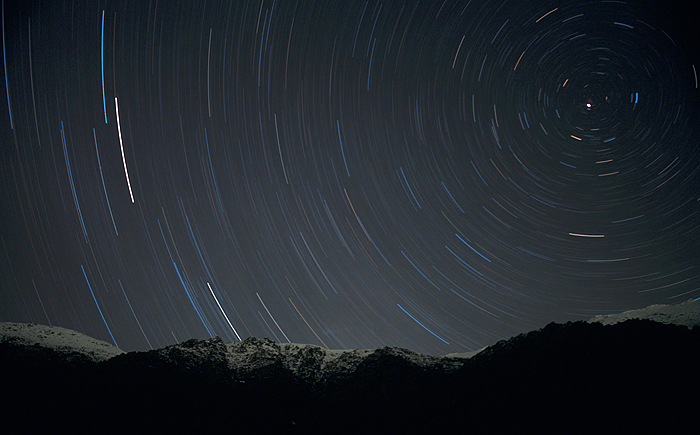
point(314, 363)
point(307, 361)
point(61, 340)
point(683, 314)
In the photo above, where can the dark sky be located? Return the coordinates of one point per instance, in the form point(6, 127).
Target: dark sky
point(424, 174)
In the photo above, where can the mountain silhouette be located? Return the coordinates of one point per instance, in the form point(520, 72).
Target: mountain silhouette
point(631, 375)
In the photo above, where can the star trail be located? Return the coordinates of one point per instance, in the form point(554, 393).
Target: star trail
point(433, 175)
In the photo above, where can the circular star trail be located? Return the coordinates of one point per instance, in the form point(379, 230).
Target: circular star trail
point(429, 175)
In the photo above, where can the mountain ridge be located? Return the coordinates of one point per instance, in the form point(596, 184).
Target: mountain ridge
point(634, 375)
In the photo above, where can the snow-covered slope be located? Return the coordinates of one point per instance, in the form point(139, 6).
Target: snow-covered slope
point(314, 363)
point(683, 314)
point(59, 339)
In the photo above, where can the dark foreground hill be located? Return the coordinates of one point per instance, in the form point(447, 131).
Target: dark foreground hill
point(638, 376)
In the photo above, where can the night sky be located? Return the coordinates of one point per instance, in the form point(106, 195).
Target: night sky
point(433, 175)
